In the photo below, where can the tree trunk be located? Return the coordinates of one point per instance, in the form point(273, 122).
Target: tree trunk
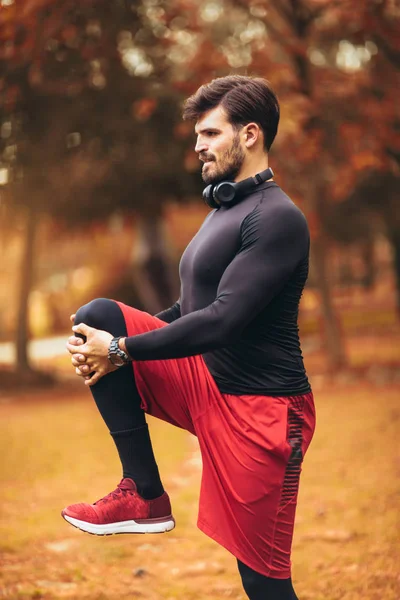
point(26, 278)
point(331, 332)
point(154, 280)
point(301, 20)
point(394, 237)
point(331, 327)
point(368, 254)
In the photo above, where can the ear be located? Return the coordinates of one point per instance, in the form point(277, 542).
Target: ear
point(252, 134)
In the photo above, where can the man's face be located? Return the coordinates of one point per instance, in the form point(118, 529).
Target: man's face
point(218, 146)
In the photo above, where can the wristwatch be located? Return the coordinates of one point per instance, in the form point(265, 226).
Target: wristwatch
point(116, 356)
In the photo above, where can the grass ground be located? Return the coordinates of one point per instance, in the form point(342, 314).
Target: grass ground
point(55, 451)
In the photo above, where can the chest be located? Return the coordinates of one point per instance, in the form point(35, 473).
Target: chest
point(212, 249)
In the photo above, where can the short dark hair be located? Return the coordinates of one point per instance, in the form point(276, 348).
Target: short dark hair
point(244, 99)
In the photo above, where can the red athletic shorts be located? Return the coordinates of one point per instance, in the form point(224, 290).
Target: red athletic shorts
point(251, 447)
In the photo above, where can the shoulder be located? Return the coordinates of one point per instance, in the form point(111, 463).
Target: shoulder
point(276, 213)
point(208, 217)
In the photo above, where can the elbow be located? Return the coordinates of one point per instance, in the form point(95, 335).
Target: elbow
point(229, 333)
point(224, 324)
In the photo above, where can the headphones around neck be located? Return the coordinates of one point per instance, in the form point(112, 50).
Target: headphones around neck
point(228, 193)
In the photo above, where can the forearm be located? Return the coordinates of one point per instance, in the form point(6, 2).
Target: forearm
point(196, 333)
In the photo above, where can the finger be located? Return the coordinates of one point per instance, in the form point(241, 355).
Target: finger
point(72, 349)
point(92, 379)
point(83, 329)
point(77, 363)
point(76, 341)
point(85, 369)
point(94, 376)
point(72, 318)
point(78, 372)
point(77, 360)
point(80, 358)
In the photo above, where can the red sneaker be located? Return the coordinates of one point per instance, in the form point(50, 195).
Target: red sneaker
point(122, 511)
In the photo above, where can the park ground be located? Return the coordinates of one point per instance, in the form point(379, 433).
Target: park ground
point(55, 451)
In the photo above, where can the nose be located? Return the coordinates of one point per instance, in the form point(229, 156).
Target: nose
point(201, 145)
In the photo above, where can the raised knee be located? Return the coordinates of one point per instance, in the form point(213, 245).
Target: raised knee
point(95, 312)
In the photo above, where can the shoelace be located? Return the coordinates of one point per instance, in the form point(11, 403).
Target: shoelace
point(113, 495)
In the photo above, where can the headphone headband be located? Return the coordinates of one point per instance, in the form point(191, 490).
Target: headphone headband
point(252, 182)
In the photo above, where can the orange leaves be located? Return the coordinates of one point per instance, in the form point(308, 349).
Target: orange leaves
point(17, 29)
point(28, 8)
point(183, 130)
point(366, 160)
point(350, 131)
point(69, 33)
point(352, 139)
point(312, 146)
point(7, 14)
point(191, 161)
point(342, 184)
point(314, 224)
point(348, 173)
point(144, 108)
point(295, 111)
point(208, 60)
point(7, 31)
point(12, 94)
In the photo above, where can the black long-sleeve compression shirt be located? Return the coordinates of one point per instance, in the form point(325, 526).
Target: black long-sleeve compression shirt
point(170, 314)
point(242, 277)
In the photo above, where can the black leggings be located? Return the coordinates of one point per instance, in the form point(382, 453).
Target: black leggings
point(260, 587)
point(118, 401)
point(116, 394)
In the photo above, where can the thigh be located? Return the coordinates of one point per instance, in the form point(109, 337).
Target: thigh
point(175, 390)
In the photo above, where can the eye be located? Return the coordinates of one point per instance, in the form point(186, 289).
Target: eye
point(211, 133)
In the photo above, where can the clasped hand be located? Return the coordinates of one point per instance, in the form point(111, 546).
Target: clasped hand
point(90, 358)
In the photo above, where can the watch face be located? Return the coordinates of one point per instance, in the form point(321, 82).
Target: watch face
point(118, 361)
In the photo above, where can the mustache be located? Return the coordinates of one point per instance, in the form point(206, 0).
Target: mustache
point(206, 157)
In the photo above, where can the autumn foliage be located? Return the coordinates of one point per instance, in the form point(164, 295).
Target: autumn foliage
point(91, 91)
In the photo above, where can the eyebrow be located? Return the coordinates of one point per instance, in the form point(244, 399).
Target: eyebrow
point(204, 129)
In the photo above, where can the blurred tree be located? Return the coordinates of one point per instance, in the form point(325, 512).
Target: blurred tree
point(86, 126)
point(90, 91)
point(378, 193)
point(377, 188)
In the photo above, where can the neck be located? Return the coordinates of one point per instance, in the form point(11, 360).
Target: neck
point(251, 168)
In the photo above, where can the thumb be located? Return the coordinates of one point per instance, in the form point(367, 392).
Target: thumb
point(83, 329)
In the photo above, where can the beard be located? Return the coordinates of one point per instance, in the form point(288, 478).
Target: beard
point(228, 166)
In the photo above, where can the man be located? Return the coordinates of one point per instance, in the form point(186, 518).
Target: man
point(224, 362)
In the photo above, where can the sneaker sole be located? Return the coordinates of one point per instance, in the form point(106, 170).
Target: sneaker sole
point(141, 526)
